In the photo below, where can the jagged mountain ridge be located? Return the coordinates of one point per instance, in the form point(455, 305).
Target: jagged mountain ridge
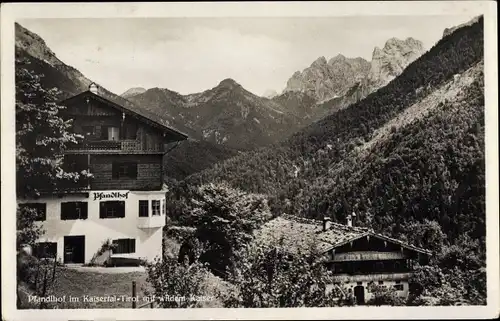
point(356, 77)
point(325, 80)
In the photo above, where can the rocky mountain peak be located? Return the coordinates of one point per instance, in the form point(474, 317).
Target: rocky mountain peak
point(376, 52)
point(321, 61)
point(390, 61)
point(228, 83)
point(325, 80)
point(337, 58)
point(133, 91)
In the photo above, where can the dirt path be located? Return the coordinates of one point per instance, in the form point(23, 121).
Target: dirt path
point(107, 270)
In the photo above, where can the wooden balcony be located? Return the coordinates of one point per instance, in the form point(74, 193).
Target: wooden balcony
point(371, 277)
point(115, 147)
point(368, 256)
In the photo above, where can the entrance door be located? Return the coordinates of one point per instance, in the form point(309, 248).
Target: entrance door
point(359, 293)
point(74, 249)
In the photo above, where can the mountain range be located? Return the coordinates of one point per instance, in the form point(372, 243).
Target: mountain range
point(229, 115)
point(412, 150)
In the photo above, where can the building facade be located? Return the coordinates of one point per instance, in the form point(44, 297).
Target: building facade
point(124, 200)
point(359, 258)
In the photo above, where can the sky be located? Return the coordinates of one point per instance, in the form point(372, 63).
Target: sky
point(191, 55)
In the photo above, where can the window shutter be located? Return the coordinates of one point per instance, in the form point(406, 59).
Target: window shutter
point(102, 210)
point(121, 209)
point(132, 245)
point(64, 210)
point(85, 208)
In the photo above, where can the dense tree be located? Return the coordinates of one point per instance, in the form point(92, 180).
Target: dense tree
point(225, 219)
point(176, 283)
point(271, 277)
point(41, 136)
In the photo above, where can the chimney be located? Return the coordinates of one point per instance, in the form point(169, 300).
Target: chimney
point(350, 219)
point(326, 223)
point(93, 88)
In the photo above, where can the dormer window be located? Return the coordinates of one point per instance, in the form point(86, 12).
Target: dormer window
point(93, 88)
point(113, 133)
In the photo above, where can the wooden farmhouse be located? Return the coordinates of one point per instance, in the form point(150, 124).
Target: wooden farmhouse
point(358, 257)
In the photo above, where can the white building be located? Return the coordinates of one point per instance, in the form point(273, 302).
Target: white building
point(124, 202)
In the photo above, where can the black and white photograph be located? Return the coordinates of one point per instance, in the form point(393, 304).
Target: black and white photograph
point(194, 160)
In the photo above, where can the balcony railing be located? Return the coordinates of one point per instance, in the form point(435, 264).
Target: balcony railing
point(371, 277)
point(151, 221)
point(114, 146)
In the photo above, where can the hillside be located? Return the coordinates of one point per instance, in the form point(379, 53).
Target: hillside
point(188, 157)
point(304, 175)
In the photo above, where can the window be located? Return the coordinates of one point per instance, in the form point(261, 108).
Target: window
point(88, 130)
point(398, 286)
point(339, 267)
point(113, 133)
point(379, 266)
point(45, 250)
point(155, 205)
point(112, 209)
point(123, 246)
point(75, 163)
point(130, 131)
point(124, 170)
point(74, 211)
point(143, 208)
point(103, 131)
point(40, 210)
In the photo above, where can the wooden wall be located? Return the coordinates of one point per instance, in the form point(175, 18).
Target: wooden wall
point(100, 116)
point(149, 172)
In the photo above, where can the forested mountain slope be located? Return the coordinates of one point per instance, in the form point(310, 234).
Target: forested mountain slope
point(312, 161)
point(188, 157)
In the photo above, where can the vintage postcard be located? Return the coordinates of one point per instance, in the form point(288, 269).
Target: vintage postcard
point(239, 160)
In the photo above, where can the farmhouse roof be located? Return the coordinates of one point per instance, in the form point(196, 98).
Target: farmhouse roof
point(301, 235)
point(128, 107)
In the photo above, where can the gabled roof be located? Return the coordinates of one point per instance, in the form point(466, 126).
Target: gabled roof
point(300, 235)
point(128, 107)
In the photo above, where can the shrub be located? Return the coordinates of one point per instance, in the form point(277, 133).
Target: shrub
point(384, 296)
